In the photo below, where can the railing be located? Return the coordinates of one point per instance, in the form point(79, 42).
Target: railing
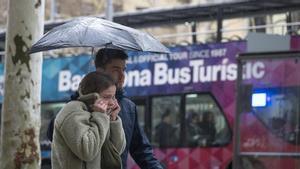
point(282, 25)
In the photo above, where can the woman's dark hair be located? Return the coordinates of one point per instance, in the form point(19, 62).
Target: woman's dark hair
point(95, 81)
point(105, 55)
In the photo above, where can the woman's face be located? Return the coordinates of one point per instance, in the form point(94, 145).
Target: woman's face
point(108, 95)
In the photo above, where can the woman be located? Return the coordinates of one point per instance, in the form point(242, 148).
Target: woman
point(85, 128)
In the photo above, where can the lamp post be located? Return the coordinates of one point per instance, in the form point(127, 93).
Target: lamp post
point(109, 12)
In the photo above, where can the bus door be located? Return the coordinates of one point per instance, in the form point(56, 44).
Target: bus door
point(267, 122)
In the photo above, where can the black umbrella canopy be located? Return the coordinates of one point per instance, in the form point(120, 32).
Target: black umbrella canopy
point(96, 32)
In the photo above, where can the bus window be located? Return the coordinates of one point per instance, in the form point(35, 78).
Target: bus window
point(281, 113)
point(205, 123)
point(165, 121)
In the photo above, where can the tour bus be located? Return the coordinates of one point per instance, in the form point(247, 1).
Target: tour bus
point(186, 100)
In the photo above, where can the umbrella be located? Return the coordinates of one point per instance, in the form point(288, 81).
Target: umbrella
point(97, 32)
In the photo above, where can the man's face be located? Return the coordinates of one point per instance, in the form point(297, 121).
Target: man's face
point(116, 68)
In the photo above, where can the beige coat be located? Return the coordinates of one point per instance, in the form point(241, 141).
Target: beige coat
point(79, 135)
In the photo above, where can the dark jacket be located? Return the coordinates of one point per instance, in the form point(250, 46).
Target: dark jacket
point(165, 135)
point(136, 141)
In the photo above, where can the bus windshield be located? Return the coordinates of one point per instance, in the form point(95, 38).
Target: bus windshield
point(281, 116)
point(268, 112)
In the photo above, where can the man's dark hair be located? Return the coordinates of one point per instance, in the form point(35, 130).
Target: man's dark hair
point(167, 113)
point(105, 55)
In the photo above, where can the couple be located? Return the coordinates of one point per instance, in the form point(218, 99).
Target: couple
point(94, 134)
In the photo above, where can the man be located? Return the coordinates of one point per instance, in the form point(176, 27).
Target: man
point(113, 62)
point(165, 133)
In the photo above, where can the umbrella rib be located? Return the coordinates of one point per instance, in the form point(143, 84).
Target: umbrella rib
point(85, 32)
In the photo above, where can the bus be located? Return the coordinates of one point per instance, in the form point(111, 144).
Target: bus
point(186, 100)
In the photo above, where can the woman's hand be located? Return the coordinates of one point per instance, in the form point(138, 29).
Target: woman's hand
point(100, 105)
point(115, 109)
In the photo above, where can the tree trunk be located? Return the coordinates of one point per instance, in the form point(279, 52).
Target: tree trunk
point(20, 124)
